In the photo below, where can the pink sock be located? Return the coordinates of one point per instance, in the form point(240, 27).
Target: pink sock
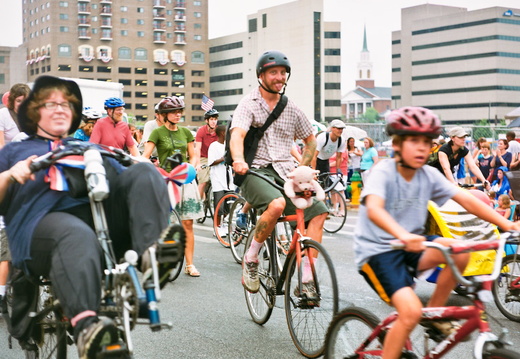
point(307, 271)
point(252, 253)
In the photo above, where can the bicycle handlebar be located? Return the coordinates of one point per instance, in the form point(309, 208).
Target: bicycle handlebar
point(466, 247)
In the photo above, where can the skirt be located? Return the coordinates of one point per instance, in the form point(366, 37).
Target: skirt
point(190, 206)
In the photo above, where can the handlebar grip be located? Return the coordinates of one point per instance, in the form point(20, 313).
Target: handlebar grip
point(397, 244)
point(95, 175)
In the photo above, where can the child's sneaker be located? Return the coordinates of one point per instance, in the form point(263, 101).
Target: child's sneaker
point(241, 220)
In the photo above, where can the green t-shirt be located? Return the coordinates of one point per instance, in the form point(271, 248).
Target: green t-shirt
point(171, 142)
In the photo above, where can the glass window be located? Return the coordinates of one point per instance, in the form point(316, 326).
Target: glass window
point(124, 20)
point(124, 8)
point(197, 57)
point(124, 32)
point(197, 14)
point(197, 37)
point(140, 33)
point(65, 17)
point(64, 50)
point(83, 68)
point(140, 10)
point(104, 69)
point(141, 54)
point(125, 81)
point(140, 22)
point(64, 29)
point(197, 26)
point(64, 4)
point(124, 53)
point(140, 70)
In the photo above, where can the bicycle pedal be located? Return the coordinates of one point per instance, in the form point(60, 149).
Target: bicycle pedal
point(116, 350)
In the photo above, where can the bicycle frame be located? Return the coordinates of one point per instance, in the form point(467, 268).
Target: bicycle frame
point(475, 315)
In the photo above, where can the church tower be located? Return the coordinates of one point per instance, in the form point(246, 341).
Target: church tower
point(365, 75)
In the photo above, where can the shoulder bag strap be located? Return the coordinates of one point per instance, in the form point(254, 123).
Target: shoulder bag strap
point(280, 106)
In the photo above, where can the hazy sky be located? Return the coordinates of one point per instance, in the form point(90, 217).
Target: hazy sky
point(380, 16)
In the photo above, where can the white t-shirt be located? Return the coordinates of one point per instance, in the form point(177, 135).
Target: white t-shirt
point(514, 147)
point(326, 151)
point(7, 125)
point(217, 173)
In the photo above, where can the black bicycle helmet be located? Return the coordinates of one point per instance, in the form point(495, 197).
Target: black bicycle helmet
point(114, 102)
point(413, 121)
point(211, 113)
point(169, 104)
point(271, 59)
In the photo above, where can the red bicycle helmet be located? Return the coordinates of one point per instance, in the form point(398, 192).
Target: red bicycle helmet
point(169, 104)
point(413, 121)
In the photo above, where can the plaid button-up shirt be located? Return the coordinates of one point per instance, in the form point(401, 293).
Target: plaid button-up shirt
point(275, 146)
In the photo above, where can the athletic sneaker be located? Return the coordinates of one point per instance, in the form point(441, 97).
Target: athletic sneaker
point(441, 329)
point(95, 336)
point(250, 279)
point(222, 231)
point(241, 220)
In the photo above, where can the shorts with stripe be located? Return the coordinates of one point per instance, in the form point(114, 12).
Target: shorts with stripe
point(388, 272)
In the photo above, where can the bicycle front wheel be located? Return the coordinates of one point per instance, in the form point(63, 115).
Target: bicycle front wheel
point(506, 288)
point(223, 206)
point(309, 311)
point(49, 335)
point(175, 218)
point(238, 236)
point(347, 334)
point(261, 304)
point(337, 207)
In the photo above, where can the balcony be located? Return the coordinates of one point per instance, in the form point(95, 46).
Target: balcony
point(159, 27)
point(83, 34)
point(180, 28)
point(159, 15)
point(180, 5)
point(109, 2)
point(159, 4)
point(106, 11)
point(83, 0)
point(180, 17)
point(84, 22)
point(83, 9)
point(106, 23)
point(159, 38)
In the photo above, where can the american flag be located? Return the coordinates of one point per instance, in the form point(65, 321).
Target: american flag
point(207, 103)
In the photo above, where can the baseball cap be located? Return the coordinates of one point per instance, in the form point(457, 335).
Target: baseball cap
point(458, 132)
point(337, 124)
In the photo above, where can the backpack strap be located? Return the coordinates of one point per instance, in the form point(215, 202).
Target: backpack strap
point(327, 140)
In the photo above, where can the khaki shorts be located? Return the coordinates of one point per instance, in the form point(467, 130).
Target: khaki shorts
point(259, 194)
point(5, 254)
point(203, 174)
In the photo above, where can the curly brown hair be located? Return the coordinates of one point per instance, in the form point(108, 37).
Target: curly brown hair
point(16, 91)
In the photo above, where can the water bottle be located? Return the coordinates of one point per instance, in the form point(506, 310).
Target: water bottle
point(153, 311)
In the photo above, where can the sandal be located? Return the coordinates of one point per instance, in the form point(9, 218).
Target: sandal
point(191, 271)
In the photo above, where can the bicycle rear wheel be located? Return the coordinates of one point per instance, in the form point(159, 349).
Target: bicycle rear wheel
point(175, 218)
point(348, 331)
point(261, 304)
point(309, 314)
point(337, 207)
point(223, 206)
point(238, 236)
point(506, 288)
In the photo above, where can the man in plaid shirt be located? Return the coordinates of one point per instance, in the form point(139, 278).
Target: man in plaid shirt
point(273, 159)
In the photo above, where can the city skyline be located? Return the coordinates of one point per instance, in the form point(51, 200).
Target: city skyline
point(379, 16)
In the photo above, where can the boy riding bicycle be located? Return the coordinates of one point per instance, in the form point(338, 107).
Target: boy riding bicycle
point(394, 205)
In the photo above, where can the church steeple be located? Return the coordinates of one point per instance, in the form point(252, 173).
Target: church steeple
point(365, 47)
point(364, 68)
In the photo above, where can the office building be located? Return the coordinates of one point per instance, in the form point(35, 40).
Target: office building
point(312, 45)
point(155, 48)
point(464, 65)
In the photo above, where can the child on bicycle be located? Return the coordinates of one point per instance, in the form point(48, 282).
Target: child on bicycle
point(394, 205)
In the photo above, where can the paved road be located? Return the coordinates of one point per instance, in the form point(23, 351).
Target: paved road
point(210, 317)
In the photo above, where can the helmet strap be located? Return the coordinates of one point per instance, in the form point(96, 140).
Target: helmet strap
point(50, 134)
point(274, 92)
point(402, 163)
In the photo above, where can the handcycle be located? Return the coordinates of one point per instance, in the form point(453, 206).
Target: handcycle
point(281, 274)
point(124, 298)
point(334, 200)
point(357, 333)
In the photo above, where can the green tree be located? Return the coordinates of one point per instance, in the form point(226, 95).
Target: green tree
point(482, 129)
point(371, 115)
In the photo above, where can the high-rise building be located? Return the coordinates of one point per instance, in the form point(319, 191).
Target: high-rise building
point(312, 45)
point(464, 65)
point(155, 48)
point(10, 60)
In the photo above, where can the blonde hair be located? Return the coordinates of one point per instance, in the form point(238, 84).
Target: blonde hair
point(506, 201)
